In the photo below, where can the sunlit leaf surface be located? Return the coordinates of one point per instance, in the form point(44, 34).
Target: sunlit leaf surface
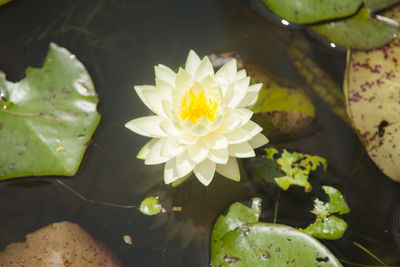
point(47, 118)
point(150, 206)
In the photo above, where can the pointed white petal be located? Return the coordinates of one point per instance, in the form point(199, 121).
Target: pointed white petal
point(145, 150)
point(154, 157)
point(205, 68)
point(244, 114)
point(184, 164)
point(167, 107)
point(230, 169)
point(219, 156)
point(204, 171)
point(199, 130)
point(164, 73)
point(258, 140)
point(215, 141)
point(227, 73)
point(241, 74)
point(150, 97)
point(170, 171)
point(171, 148)
point(164, 89)
point(229, 123)
point(240, 88)
point(168, 127)
point(238, 136)
point(252, 93)
point(216, 123)
point(252, 128)
point(188, 139)
point(198, 152)
point(192, 63)
point(183, 83)
point(243, 150)
point(147, 126)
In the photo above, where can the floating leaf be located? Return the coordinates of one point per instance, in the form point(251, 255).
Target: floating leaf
point(150, 206)
point(282, 109)
point(237, 215)
point(311, 11)
point(321, 82)
point(326, 225)
point(285, 169)
point(372, 99)
point(247, 242)
point(3, 2)
point(59, 244)
point(363, 30)
point(47, 118)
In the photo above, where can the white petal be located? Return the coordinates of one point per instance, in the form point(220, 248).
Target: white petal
point(170, 171)
point(227, 73)
point(164, 73)
point(145, 150)
point(252, 128)
point(229, 123)
point(199, 130)
point(204, 171)
point(184, 164)
point(168, 127)
point(150, 97)
point(197, 152)
point(251, 95)
point(154, 156)
point(215, 141)
point(238, 136)
point(243, 150)
point(258, 140)
point(164, 89)
point(183, 82)
point(188, 139)
point(240, 87)
point(241, 74)
point(205, 68)
point(216, 123)
point(244, 114)
point(171, 148)
point(219, 156)
point(230, 169)
point(167, 107)
point(192, 63)
point(147, 126)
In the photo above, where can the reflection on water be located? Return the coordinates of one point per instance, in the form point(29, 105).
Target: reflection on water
point(120, 41)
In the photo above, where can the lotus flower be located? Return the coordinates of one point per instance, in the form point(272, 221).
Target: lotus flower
point(201, 120)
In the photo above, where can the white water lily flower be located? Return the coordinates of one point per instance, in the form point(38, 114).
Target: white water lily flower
point(201, 120)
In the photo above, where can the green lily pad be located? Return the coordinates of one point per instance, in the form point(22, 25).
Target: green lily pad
point(47, 118)
point(150, 206)
point(363, 30)
point(3, 2)
point(320, 82)
point(311, 11)
point(326, 225)
point(238, 239)
point(283, 110)
point(372, 99)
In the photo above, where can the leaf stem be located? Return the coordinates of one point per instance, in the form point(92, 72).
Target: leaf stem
point(369, 253)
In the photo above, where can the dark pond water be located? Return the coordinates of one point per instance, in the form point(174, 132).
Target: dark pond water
point(120, 41)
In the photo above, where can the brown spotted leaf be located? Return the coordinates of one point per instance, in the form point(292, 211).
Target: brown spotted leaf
point(372, 90)
point(59, 244)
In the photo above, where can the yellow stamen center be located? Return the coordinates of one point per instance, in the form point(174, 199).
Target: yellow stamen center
point(194, 106)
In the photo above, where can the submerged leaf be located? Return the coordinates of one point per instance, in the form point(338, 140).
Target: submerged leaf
point(283, 110)
point(321, 83)
point(327, 225)
point(372, 99)
point(248, 242)
point(150, 206)
point(311, 11)
point(363, 30)
point(3, 2)
point(59, 244)
point(47, 118)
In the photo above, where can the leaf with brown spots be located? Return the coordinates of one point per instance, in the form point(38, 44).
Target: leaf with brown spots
point(372, 91)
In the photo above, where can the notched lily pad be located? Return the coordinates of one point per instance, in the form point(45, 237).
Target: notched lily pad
point(372, 97)
point(311, 11)
point(59, 244)
point(363, 30)
point(327, 225)
point(47, 118)
point(247, 242)
point(150, 206)
point(283, 110)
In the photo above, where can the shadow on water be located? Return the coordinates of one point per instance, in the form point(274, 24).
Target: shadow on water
point(120, 41)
